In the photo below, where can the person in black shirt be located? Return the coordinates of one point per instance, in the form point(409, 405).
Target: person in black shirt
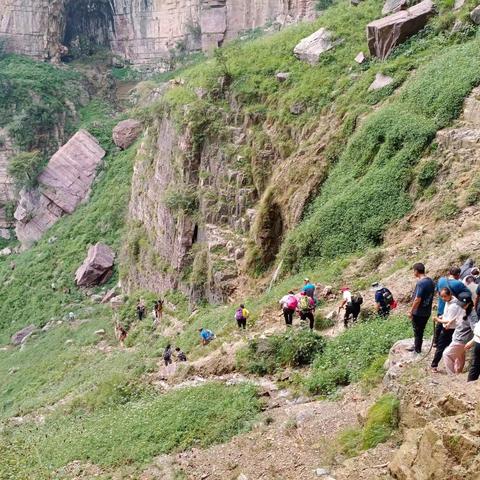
point(422, 305)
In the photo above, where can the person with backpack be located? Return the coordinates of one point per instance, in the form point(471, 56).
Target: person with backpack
point(452, 317)
point(422, 306)
point(289, 303)
point(352, 305)
point(241, 316)
point(306, 307)
point(181, 357)
point(206, 336)
point(384, 301)
point(141, 309)
point(158, 311)
point(309, 288)
point(474, 372)
point(167, 355)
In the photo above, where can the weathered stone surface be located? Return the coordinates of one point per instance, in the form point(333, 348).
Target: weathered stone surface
point(386, 33)
point(282, 76)
point(360, 58)
point(142, 32)
point(471, 107)
point(21, 336)
point(475, 15)
point(458, 4)
point(126, 132)
point(393, 6)
point(63, 185)
point(97, 267)
point(310, 48)
point(380, 82)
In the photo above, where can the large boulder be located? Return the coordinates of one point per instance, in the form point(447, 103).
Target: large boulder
point(97, 267)
point(63, 185)
point(310, 48)
point(475, 15)
point(21, 336)
point(392, 6)
point(385, 34)
point(126, 132)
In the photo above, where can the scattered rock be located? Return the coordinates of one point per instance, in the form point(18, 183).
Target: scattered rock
point(321, 472)
point(310, 48)
point(5, 252)
point(475, 15)
point(68, 342)
point(297, 108)
point(100, 332)
point(381, 81)
point(109, 295)
point(393, 6)
point(385, 34)
point(332, 315)
point(96, 298)
point(52, 240)
point(97, 267)
point(282, 76)
point(458, 4)
point(116, 302)
point(5, 233)
point(360, 58)
point(126, 132)
point(22, 335)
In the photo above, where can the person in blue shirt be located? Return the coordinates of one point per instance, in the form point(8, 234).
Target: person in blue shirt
point(383, 299)
point(206, 336)
point(456, 286)
point(309, 288)
point(421, 306)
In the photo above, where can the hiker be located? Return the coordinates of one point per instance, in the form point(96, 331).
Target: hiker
point(352, 305)
point(454, 354)
point(120, 334)
point(181, 357)
point(71, 316)
point(306, 307)
point(167, 355)
point(422, 305)
point(470, 283)
point(452, 317)
point(158, 312)
point(384, 301)
point(241, 316)
point(456, 286)
point(474, 343)
point(289, 303)
point(476, 274)
point(466, 268)
point(141, 309)
point(309, 288)
point(206, 336)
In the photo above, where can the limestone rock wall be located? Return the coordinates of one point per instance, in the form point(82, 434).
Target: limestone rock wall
point(142, 31)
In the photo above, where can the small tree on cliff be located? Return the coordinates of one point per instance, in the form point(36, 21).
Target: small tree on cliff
point(24, 168)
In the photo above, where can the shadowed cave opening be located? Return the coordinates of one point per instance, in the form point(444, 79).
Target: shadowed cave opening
point(89, 26)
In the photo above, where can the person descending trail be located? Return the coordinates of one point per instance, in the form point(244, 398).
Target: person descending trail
point(422, 305)
point(452, 317)
point(206, 336)
point(289, 303)
point(241, 316)
point(309, 288)
point(456, 286)
point(352, 305)
point(141, 309)
point(474, 372)
point(167, 355)
point(384, 301)
point(466, 268)
point(306, 307)
point(454, 354)
point(181, 357)
point(158, 310)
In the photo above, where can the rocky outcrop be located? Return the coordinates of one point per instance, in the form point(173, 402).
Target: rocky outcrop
point(141, 32)
point(21, 336)
point(126, 132)
point(475, 15)
point(97, 267)
point(385, 34)
point(62, 186)
point(310, 48)
point(392, 6)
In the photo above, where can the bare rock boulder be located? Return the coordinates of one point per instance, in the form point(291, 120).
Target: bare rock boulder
point(21, 336)
point(381, 81)
point(385, 34)
point(393, 6)
point(475, 15)
point(97, 267)
point(126, 132)
point(310, 48)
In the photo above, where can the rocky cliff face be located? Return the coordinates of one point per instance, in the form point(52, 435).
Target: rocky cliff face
point(143, 32)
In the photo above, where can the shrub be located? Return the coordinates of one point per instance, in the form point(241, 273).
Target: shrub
point(181, 200)
point(25, 167)
point(428, 173)
point(293, 349)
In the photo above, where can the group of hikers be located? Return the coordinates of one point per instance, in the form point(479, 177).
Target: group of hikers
point(157, 311)
point(169, 354)
point(457, 328)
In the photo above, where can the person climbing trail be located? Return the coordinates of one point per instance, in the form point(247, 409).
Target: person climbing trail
point(167, 355)
point(289, 303)
point(241, 316)
point(141, 309)
point(181, 357)
point(454, 354)
point(452, 317)
point(422, 305)
point(384, 301)
point(352, 305)
point(306, 307)
point(309, 288)
point(474, 372)
point(120, 334)
point(206, 336)
point(158, 311)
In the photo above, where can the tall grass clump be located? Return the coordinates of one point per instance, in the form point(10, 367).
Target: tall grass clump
point(367, 189)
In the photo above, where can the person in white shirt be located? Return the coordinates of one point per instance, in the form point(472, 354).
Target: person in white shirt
point(452, 316)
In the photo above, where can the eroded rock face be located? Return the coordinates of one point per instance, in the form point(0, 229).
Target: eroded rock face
point(63, 185)
point(21, 336)
point(142, 32)
point(126, 132)
point(386, 33)
point(97, 267)
point(310, 48)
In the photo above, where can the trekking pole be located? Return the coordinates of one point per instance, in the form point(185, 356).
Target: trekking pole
point(431, 344)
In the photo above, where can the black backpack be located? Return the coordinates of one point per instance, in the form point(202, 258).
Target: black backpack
point(357, 299)
point(387, 296)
